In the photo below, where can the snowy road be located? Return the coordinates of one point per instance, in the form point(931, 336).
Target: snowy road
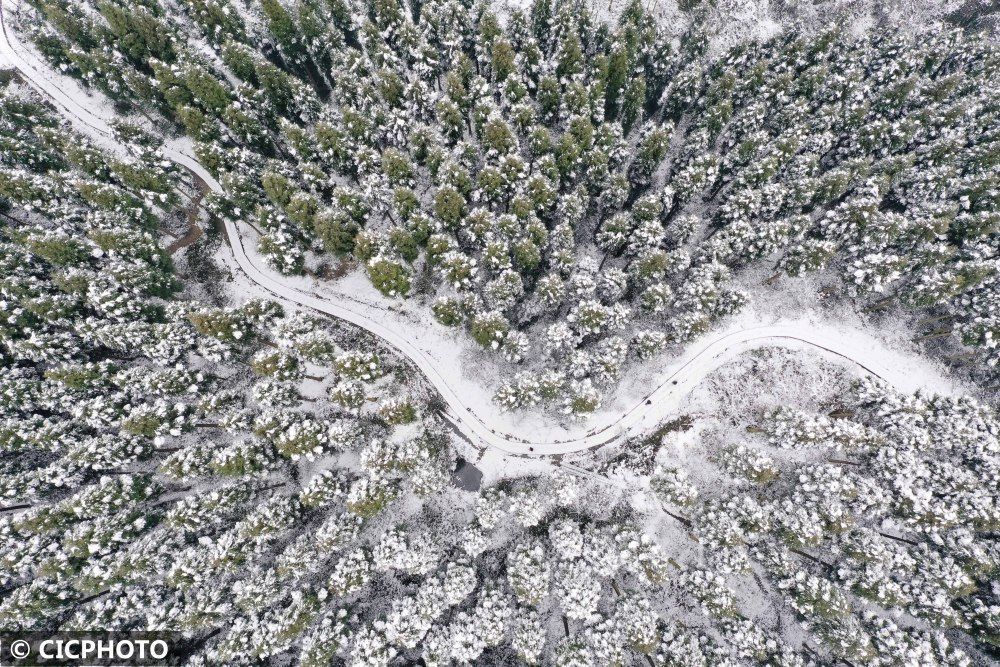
point(473, 417)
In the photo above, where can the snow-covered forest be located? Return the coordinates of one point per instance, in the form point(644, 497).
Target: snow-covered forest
point(582, 195)
point(575, 195)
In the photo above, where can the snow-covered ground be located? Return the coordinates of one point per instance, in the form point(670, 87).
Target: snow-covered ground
point(739, 21)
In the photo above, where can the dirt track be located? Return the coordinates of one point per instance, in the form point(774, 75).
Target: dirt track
point(194, 230)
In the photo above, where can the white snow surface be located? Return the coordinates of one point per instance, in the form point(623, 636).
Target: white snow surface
point(446, 357)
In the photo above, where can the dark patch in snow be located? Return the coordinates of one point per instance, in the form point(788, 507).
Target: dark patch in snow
point(467, 476)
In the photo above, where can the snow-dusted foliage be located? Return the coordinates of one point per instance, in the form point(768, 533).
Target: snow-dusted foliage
point(571, 194)
point(580, 180)
point(164, 465)
point(874, 530)
point(174, 466)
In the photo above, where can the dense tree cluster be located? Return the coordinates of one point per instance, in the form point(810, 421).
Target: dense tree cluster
point(167, 464)
point(875, 529)
point(591, 184)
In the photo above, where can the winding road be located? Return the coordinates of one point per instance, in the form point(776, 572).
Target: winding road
point(481, 423)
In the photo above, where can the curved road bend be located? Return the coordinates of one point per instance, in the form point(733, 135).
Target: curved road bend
point(694, 365)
